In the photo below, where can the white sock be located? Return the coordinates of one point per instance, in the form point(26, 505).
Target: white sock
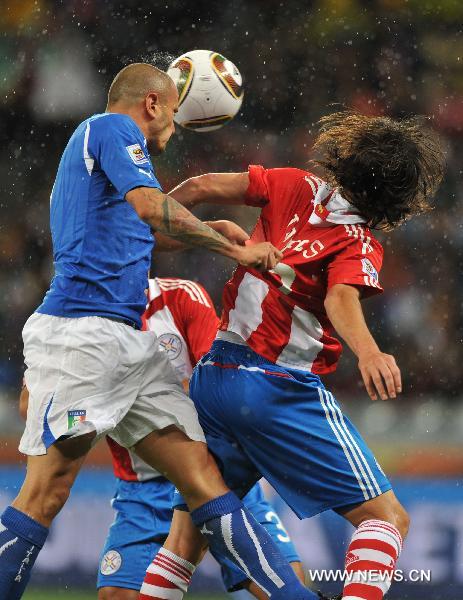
point(167, 577)
point(371, 559)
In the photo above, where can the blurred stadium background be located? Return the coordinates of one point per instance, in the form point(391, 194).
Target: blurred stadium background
point(396, 57)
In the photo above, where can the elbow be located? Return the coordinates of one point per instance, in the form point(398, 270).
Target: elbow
point(338, 296)
point(330, 304)
point(145, 212)
point(145, 208)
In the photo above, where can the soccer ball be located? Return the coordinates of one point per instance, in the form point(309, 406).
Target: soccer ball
point(209, 88)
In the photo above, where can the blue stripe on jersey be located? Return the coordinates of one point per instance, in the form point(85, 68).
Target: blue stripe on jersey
point(101, 249)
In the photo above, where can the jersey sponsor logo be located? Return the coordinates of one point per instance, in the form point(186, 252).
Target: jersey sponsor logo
point(350, 558)
point(205, 531)
point(136, 154)
point(111, 562)
point(170, 343)
point(75, 417)
point(368, 268)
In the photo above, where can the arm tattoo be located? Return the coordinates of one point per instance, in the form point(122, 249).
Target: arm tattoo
point(178, 223)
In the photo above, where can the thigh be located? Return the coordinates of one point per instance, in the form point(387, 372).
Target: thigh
point(141, 525)
point(185, 462)
point(161, 402)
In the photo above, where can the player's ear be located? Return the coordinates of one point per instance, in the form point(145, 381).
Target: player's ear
point(152, 104)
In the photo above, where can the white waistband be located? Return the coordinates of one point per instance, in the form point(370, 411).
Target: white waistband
point(230, 336)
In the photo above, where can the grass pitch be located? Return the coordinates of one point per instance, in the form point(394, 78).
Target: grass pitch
point(66, 594)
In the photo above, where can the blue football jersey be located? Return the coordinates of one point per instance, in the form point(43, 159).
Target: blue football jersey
point(101, 248)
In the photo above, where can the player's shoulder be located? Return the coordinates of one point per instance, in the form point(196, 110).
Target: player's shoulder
point(283, 173)
point(297, 180)
point(356, 234)
point(183, 289)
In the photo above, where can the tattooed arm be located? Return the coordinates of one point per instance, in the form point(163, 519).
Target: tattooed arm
point(166, 215)
point(233, 232)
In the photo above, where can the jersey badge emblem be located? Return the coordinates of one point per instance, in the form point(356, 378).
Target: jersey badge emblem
point(111, 562)
point(170, 343)
point(75, 417)
point(321, 211)
point(136, 154)
point(368, 268)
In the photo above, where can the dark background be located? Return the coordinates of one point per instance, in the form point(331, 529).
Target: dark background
point(299, 61)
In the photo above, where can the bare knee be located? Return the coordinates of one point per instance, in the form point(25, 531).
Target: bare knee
point(115, 593)
point(383, 508)
point(395, 514)
point(401, 520)
point(201, 485)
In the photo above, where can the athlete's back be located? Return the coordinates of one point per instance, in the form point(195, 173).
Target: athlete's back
point(101, 248)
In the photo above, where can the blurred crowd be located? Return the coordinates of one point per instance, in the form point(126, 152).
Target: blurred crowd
point(299, 61)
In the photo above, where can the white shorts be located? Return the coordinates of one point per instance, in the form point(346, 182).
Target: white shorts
point(93, 374)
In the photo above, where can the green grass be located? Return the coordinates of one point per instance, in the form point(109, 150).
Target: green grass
point(71, 594)
point(46, 594)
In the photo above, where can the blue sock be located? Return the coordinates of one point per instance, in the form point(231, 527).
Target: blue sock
point(233, 532)
point(21, 539)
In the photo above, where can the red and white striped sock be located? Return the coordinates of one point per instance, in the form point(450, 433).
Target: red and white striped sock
point(167, 577)
point(371, 559)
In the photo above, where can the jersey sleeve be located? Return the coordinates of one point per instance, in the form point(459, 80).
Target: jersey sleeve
point(271, 185)
point(357, 262)
point(200, 323)
point(119, 149)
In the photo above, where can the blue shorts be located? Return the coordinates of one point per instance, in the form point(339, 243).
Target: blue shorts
point(143, 516)
point(263, 420)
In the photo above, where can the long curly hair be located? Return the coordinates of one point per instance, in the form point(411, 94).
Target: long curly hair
point(388, 169)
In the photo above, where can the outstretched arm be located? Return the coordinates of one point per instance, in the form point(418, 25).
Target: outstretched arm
point(233, 232)
point(164, 214)
point(380, 373)
point(215, 188)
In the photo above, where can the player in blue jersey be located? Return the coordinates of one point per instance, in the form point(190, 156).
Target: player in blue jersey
point(90, 370)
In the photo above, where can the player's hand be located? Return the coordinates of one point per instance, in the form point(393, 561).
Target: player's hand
point(262, 257)
point(380, 374)
point(233, 232)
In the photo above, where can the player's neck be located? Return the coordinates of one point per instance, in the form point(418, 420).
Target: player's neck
point(131, 111)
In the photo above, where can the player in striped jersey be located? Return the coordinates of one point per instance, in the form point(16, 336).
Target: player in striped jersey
point(258, 393)
point(182, 315)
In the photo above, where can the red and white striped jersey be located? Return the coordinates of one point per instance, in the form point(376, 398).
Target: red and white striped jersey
point(281, 313)
point(182, 315)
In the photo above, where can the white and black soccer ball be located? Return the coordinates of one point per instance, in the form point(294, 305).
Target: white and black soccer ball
point(210, 89)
